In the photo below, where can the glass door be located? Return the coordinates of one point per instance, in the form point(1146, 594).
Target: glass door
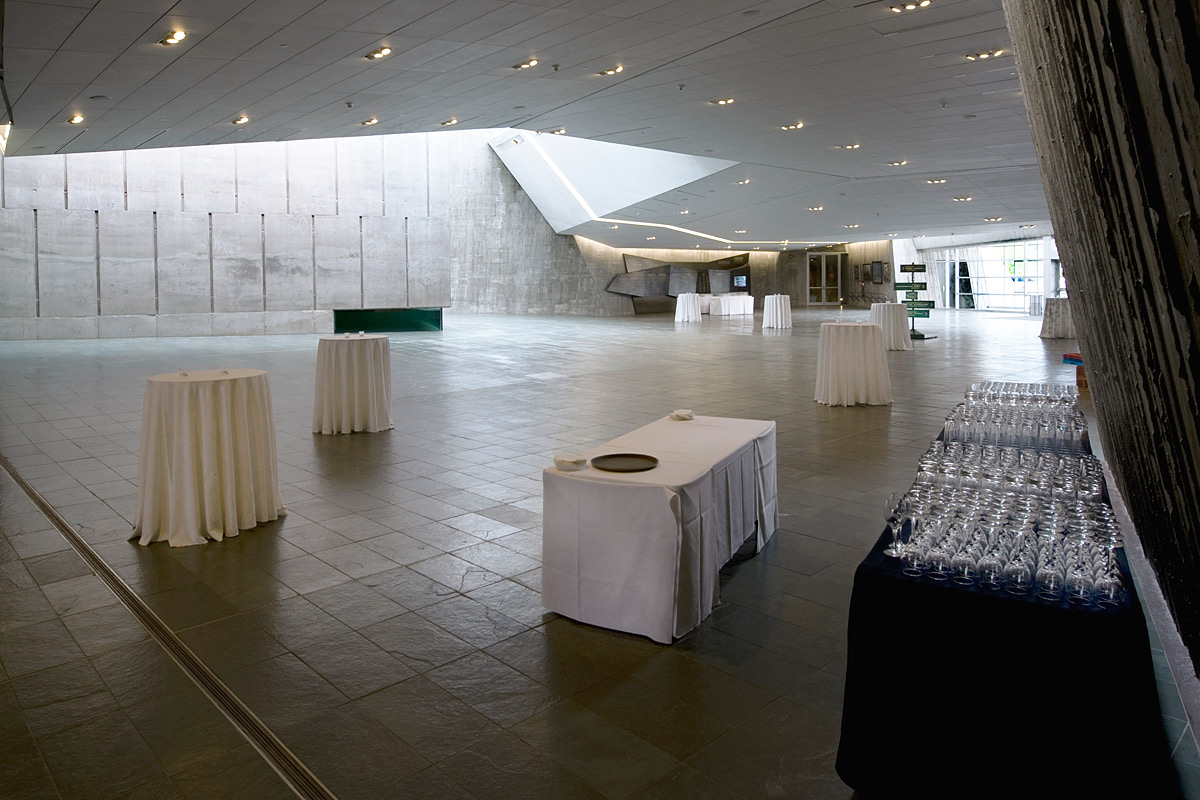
point(825, 279)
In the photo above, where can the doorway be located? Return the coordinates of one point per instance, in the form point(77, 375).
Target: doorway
point(825, 278)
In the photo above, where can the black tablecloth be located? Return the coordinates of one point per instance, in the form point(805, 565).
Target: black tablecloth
point(964, 692)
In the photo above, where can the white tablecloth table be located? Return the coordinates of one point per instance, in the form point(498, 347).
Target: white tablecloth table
point(207, 466)
point(777, 311)
point(705, 303)
point(725, 305)
point(852, 365)
point(1056, 319)
point(640, 552)
point(687, 307)
point(354, 384)
point(892, 319)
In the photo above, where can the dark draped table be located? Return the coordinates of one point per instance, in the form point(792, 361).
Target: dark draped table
point(956, 691)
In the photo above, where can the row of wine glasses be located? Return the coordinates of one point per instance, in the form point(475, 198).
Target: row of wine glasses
point(1009, 393)
point(970, 465)
point(1023, 545)
point(1057, 428)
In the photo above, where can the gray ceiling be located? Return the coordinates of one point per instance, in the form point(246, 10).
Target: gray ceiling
point(899, 85)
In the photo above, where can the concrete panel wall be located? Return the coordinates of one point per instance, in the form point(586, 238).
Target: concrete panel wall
point(385, 263)
point(312, 176)
point(288, 261)
point(96, 181)
point(209, 178)
point(406, 175)
point(338, 247)
point(67, 285)
point(35, 182)
point(127, 284)
point(360, 176)
point(237, 264)
point(261, 172)
point(18, 278)
point(184, 265)
point(153, 180)
point(428, 262)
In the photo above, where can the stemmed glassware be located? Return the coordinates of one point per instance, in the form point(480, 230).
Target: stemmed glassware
point(897, 504)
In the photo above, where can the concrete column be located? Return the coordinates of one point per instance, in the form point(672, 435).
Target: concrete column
point(1112, 98)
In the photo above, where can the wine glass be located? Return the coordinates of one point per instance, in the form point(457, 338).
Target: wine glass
point(895, 523)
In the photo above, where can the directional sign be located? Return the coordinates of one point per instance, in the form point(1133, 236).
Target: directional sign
point(912, 267)
point(919, 303)
point(919, 286)
point(911, 295)
point(919, 313)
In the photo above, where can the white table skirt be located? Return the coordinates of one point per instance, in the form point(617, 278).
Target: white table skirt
point(892, 319)
point(852, 365)
point(725, 305)
point(1056, 319)
point(207, 465)
point(705, 303)
point(687, 307)
point(354, 384)
point(777, 311)
point(641, 552)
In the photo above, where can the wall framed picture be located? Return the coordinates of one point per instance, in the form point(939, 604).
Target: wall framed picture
point(876, 272)
point(857, 273)
point(887, 272)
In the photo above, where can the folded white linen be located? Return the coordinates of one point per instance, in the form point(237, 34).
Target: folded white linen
point(570, 462)
point(681, 414)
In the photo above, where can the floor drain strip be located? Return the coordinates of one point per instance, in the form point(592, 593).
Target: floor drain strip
point(286, 763)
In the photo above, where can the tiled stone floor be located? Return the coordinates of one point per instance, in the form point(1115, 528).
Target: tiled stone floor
point(389, 629)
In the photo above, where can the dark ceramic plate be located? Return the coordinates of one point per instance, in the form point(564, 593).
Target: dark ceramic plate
point(625, 462)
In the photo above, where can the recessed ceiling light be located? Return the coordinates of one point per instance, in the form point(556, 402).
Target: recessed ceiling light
point(242, 120)
point(816, 208)
point(451, 121)
point(793, 127)
point(962, 199)
point(1027, 226)
point(75, 119)
point(919, 236)
point(174, 37)
point(559, 131)
point(650, 238)
point(685, 211)
point(893, 234)
point(897, 163)
point(854, 146)
point(850, 226)
point(992, 219)
point(614, 227)
point(743, 182)
point(380, 53)
point(985, 54)
point(911, 5)
point(612, 70)
point(527, 64)
point(371, 121)
point(722, 102)
point(739, 231)
point(935, 180)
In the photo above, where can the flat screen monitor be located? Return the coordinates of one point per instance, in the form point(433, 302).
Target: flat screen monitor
point(739, 281)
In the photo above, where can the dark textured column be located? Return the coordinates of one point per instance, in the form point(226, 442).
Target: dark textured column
point(1111, 90)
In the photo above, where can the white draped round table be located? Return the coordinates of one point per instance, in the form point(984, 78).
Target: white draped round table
point(207, 466)
point(777, 311)
point(687, 307)
point(892, 319)
point(1056, 319)
point(354, 384)
point(852, 365)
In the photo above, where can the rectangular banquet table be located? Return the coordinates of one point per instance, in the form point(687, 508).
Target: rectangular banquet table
point(640, 552)
point(353, 390)
point(207, 465)
point(726, 305)
point(851, 365)
point(777, 311)
point(892, 319)
point(956, 691)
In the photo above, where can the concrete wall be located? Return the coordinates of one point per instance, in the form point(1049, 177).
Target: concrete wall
point(862, 293)
point(271, 237)
point(1114, 105)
